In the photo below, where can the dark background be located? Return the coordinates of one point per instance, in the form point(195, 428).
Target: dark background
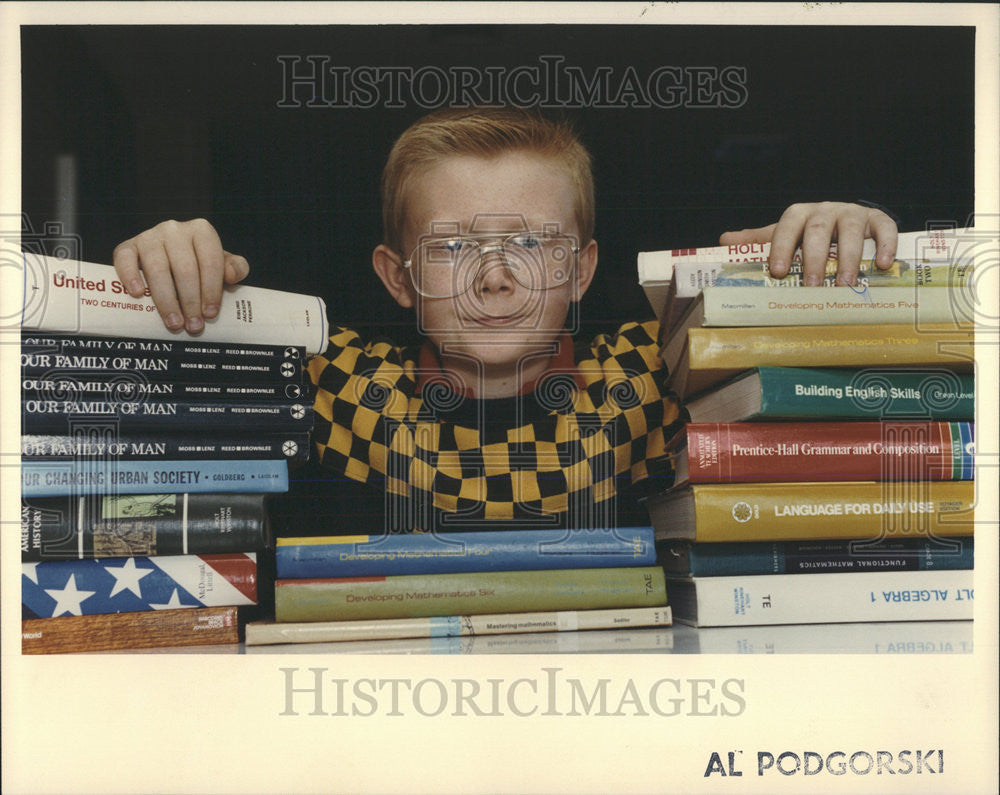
point(178, 122)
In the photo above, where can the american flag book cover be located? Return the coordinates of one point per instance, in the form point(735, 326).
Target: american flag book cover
point(121, 585)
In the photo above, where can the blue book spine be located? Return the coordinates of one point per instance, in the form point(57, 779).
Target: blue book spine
point(62, 478)
point(435, 553)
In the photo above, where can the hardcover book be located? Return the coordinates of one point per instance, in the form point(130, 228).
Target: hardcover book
point(109, 444)
point(200, 626)
point(496, 550)
point(875, 393)
point(124, 585)
point(799, 511)
point(468, 593)
point(271, 632)
point(760, 452)
point(713, 355)
point(811, 557)
point(100, 476)
point(67, 296)
point(109, 526)
point(822, 598)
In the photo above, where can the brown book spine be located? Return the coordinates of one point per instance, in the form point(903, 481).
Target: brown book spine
point(203, 626)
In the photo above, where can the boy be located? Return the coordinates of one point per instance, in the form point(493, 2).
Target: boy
point(488, 221)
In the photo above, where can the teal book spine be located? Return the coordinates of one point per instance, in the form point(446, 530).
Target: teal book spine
point(61, 478)
point(870, 393)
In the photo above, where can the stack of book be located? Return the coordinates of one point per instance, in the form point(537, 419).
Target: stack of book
point(147, 460)
point(826, 472)
point(448, 585)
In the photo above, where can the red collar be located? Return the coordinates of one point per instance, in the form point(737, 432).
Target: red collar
point(562, 361)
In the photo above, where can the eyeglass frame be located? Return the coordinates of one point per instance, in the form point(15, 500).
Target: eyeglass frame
point(483, 252)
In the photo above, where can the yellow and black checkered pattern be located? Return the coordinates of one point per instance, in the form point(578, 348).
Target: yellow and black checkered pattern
point(561, 449)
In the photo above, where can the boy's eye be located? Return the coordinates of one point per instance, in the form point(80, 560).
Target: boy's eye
point(526, 241)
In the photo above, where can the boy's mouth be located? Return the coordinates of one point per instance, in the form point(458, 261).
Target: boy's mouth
point(496, 320)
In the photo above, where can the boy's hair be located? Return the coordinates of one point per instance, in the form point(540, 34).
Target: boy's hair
point(482, 132)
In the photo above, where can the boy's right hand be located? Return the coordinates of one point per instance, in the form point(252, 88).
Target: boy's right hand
point(185, 267)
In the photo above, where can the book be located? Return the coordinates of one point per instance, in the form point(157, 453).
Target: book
point(496, 550)
point(50, 589)
point(470, 593)
point(713, 355)
point(106, 526)
point(808, 557)
point(189, 349)
point(201, 626)
point(56, 416)
point(69, 296)
point(822, 598)
point(59, 359)
point(86, 385)
point(639, 640)
point(716, 512)
point(271, 632)
point(876, 393)
point(107, 443)
point(99, 476)
point(758, 452)
point(675, 276)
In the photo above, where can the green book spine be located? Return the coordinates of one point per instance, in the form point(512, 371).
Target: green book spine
point(868, 393)
point(469, 593)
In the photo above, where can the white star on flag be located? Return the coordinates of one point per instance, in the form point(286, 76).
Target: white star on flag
point(69, 598)
point(30, 570)
point(127, 577)
point(173, 604)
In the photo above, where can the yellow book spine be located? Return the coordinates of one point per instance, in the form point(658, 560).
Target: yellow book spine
point(800, 511)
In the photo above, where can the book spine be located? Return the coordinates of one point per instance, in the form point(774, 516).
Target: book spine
point(789, 511)
point(47, 416)
point(141, 525)
point(755, 452)
point(839, 346)
point(429, 553)
point(692, 277)
point(470, 593)
point(271, 632)
point(188, 350)
point(881, 393)
point(114, 387)
point(823, 598)
point(762, 306)
point(203, 626)
point(67, 296)
point(50, 589)
point(812, 557)
point(91, 443)
point(62, 478)
point(939, 245)
point(57, 372)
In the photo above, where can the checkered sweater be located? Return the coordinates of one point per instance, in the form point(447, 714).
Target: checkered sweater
point(560, 449)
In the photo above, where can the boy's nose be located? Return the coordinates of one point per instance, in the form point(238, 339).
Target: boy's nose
point(494, 273)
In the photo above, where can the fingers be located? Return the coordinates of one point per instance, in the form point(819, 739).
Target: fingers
point(184, 267)
point(815, 226)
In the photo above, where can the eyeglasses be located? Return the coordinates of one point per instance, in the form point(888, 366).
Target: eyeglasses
point(447, 267)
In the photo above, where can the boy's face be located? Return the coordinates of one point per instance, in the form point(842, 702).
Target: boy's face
point(498, 321)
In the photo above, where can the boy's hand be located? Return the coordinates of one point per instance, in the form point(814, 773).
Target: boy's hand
point(185, 268)
point(815, 226)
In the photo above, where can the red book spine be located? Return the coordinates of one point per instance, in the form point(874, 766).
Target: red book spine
point(748, 452)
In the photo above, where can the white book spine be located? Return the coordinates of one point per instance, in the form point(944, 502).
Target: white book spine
point(828, 598)
point(68, 296)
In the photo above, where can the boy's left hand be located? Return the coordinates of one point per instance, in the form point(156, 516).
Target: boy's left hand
point(814, 227)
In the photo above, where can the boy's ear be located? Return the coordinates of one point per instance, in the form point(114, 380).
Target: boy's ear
point(585, 269)
point(390, 270)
